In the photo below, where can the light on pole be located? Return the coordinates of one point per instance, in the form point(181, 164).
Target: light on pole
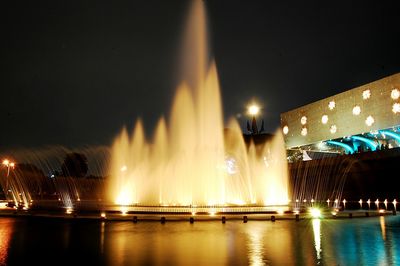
point(9, 165)
point(254, 110)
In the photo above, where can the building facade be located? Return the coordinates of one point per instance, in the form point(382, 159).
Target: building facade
point(361, 119)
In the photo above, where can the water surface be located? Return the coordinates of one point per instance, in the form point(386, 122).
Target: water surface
point(38, 241)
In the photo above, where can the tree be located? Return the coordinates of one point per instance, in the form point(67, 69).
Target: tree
point(75, 165)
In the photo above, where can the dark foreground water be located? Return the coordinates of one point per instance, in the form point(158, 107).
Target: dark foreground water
point(368, 241)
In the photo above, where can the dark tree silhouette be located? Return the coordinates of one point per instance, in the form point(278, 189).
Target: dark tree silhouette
point(75, 165)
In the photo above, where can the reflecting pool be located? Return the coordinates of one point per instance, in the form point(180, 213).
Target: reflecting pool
point(368, 241)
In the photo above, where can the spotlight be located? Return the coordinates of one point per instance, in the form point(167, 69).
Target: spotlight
point(315, 213)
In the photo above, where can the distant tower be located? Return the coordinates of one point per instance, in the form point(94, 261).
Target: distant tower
point(254, 128)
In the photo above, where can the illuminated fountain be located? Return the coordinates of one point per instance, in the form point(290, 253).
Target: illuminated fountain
point(190, 161)
point(14, 190)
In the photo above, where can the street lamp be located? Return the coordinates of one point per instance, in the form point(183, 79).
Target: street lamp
point(253, 110)
point(9, 165)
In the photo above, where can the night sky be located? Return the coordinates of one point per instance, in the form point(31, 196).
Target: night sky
point(73, 73)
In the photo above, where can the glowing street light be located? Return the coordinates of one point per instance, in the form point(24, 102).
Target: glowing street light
point(253, 109)
point(9, 165)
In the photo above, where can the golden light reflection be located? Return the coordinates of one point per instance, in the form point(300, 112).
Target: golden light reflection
point(316, 224)
point(102, 237)
point(6, 231)
point(383, 227)
point(255, 246)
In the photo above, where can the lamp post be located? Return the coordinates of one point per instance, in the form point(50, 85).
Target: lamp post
point(253, 110)
point(9, 165)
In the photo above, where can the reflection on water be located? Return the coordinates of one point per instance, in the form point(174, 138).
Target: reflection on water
point(383, 228)
point(255, 244)
point(6, 230)
point(102, 237)
point(316, 224)
point(372, 241)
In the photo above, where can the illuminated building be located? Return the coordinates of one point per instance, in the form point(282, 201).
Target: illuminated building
point(365, 118)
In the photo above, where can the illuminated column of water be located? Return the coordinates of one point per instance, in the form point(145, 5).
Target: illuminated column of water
point(185, 162)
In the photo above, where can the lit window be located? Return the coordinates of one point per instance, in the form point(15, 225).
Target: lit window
point(396, 108)
point(331, 105)
point(304, 131)
point(285, 130)
point(366, 94)
point(303, 120)
point(395, 94)
point(356, 110)
point(369, 121)
point(333, 129)
point(324, 119)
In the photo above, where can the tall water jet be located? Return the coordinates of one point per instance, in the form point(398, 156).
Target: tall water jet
point(189, 161)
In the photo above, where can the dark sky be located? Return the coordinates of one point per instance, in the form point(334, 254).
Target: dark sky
point(73, 73)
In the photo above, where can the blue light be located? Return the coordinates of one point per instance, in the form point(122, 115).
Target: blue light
point(369, 142)
point(391, 134)
point(345, 146)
